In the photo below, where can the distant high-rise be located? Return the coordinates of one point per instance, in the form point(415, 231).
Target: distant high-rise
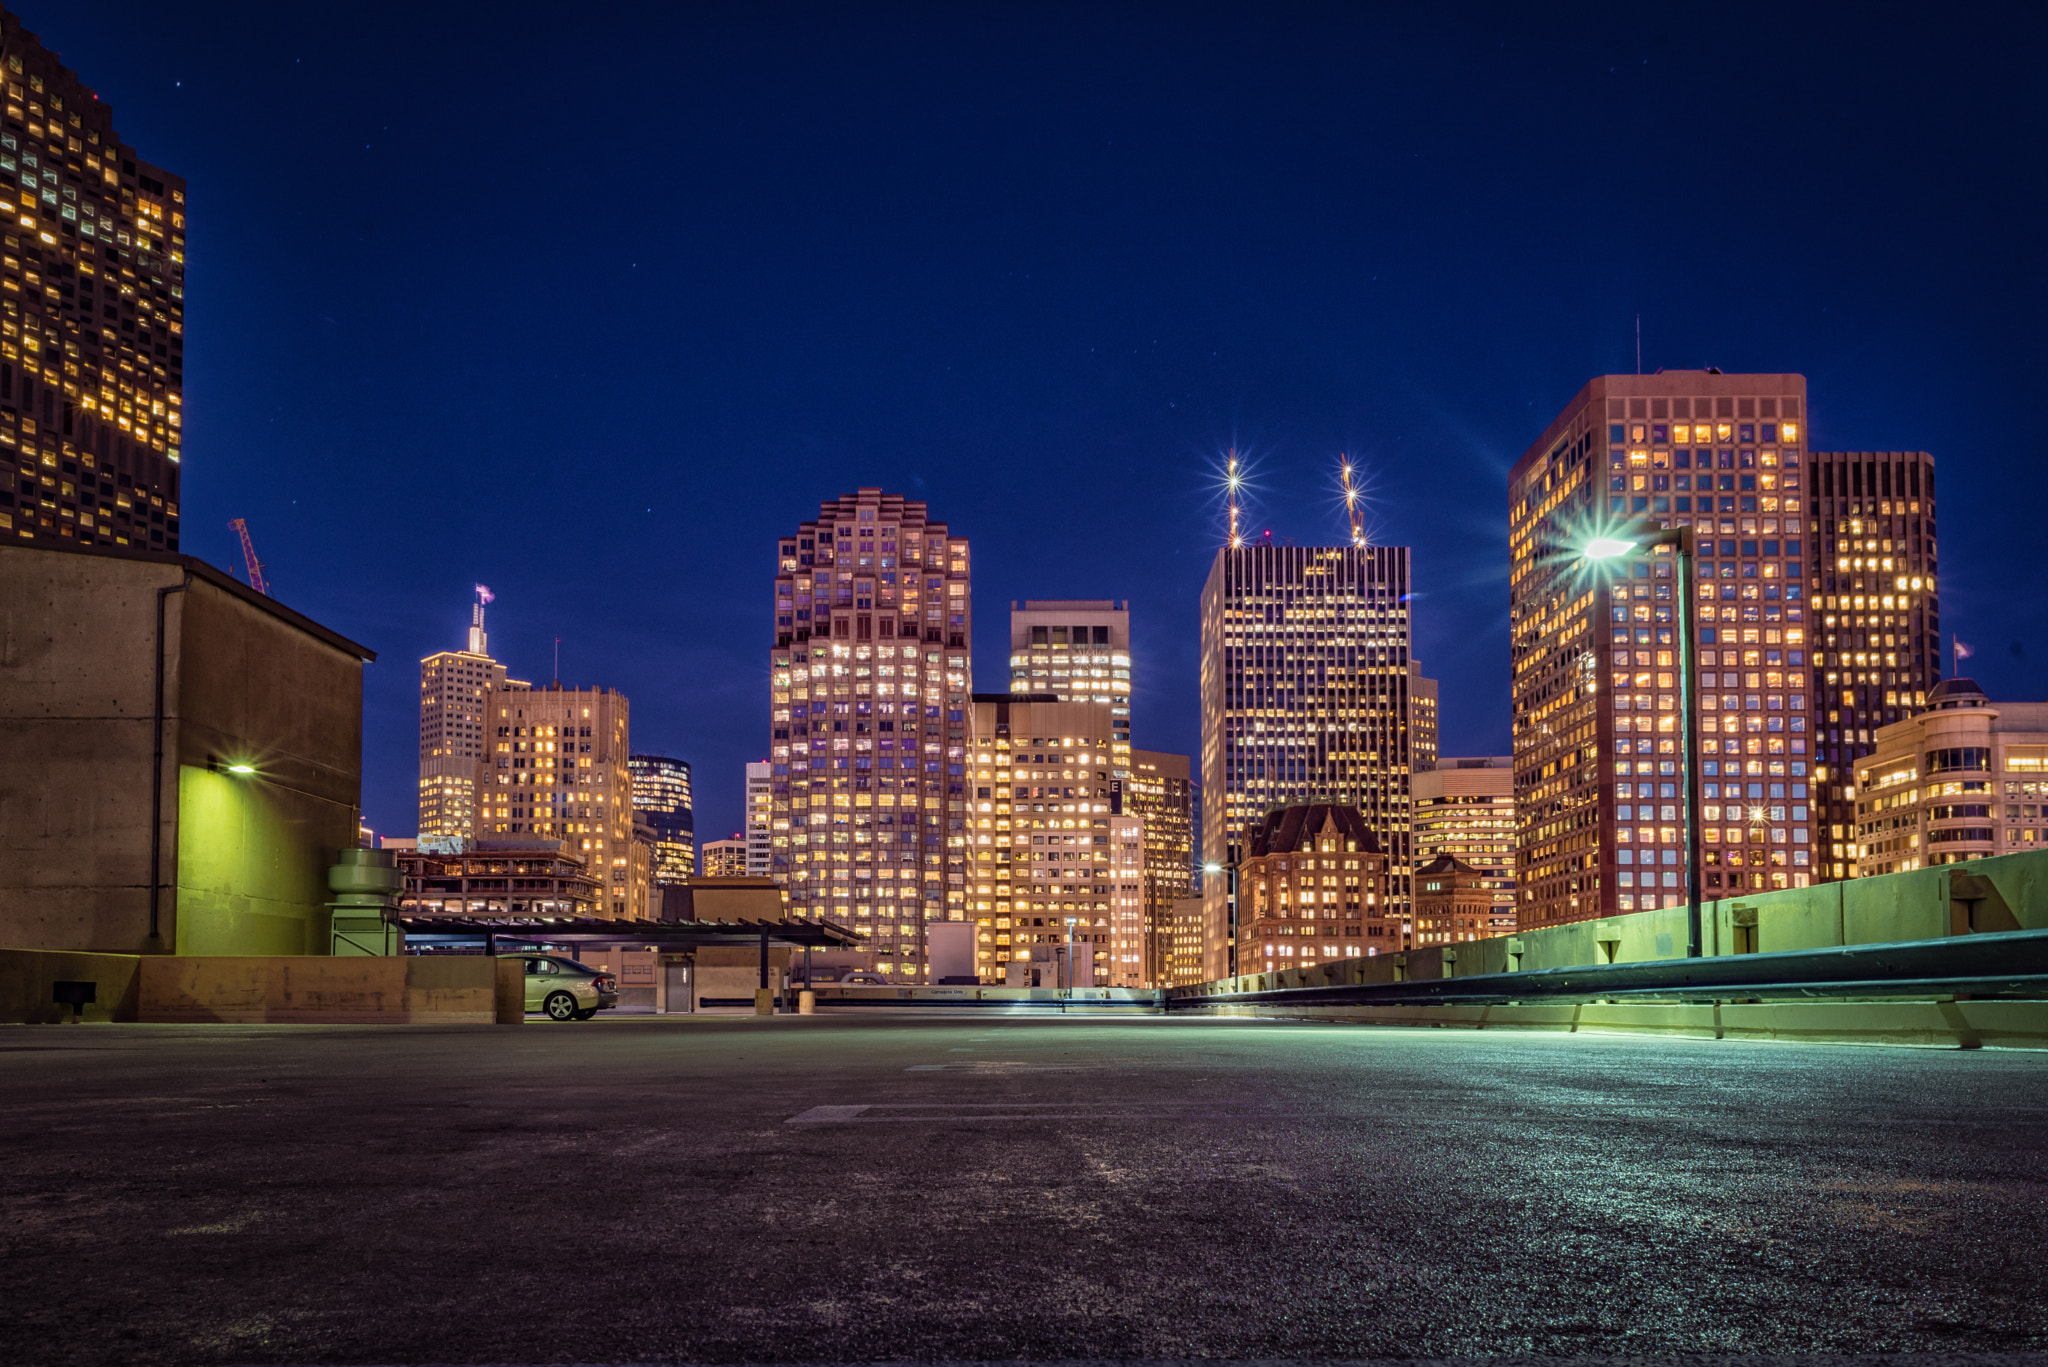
point(92, 368)
point(760, 815)
point(1465, 808)
point(869, 680)
point(1160, 793)
point(1595, 654)
point(1078, 650)
point(1422, 719)
point(1879, 655)
point(1305, 699)
point(661, 793)
point(558, 770)
point(456, 687)
point(726, 858)
point(1048, 845)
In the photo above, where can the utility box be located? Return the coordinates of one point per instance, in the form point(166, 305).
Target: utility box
point(949, 950)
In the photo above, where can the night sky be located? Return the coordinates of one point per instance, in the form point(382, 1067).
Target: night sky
point(589, 303)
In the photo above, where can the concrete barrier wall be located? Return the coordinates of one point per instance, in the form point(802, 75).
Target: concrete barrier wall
point(1894, 908)
point(28, 978)
point(310, 990)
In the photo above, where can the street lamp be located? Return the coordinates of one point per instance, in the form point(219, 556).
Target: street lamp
point(1642, 537)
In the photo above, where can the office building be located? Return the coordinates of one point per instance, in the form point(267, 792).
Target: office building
point(1598, 751)
point(1049, 849)
point(726, 858)
point(661, 795)
point(1185, 960)
point(760, 814)
point(456, 688)
point(1304, 686)
point(869, 678)
point(1078, 650)
point(1964, 779)
point(1160, 793)
point(1312, 889)
point(1452, 903)
point(1422, 710)
point(92, 365)
point(1878, 655)
point(1465, 808)
point(559, 771)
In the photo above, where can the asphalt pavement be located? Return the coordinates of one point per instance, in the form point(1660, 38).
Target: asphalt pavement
point(849, 1188)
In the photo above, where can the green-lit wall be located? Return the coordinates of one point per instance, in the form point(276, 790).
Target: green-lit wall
point(250, 876)
point(1883, 910)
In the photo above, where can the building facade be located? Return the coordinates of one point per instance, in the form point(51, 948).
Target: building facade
point(1879, 652)
point(1161, 793)
point(92, 364)
point(760, 815)
point(1965, 779)
point(726, 858)
point(1048, 844)
point(870, 680)
point(1594, 654)
point(661, 794)
point(1305, 698)
point(1312, 888)
point(498, 877)
point(1422, 720)
point(456, 688)
point(559, 771)
point(1465, 808)
point(1078, 650)
point(1453, 903)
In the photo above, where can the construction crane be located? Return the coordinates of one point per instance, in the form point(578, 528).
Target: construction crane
point(249, 560)
point(1352, 494)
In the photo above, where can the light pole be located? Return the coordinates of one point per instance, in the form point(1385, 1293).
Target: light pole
point(1641, 537)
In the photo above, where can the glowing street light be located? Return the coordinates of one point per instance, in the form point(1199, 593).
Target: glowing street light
point(241, 768)
point(1645, 536)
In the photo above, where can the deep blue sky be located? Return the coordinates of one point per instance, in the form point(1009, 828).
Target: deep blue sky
point(588, 303)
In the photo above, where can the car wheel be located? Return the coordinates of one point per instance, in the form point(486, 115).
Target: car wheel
point(586, 1013)
point(560, 1006)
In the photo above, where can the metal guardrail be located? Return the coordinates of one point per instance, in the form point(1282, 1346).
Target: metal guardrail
point(2004, 964)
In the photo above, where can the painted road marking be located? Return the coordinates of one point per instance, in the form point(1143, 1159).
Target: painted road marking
point(901, 1112)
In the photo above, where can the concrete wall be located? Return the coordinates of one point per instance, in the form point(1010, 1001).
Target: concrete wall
point(1893, 908)
point(455, 989)
point(27, 977)
point(246, 680)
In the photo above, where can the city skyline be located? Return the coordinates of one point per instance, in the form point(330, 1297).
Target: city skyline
point(1262, 313)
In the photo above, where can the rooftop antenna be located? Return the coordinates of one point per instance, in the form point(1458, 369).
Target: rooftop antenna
point(558, 662)
point(479, 643)
point(1232, 483)
point(1351, 498)
point(1639, 344)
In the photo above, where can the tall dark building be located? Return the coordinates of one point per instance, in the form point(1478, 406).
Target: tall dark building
point(661, 798)
point(1879, 652)
point(92, 316)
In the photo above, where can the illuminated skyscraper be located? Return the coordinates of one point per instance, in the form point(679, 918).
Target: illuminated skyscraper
point(92, 366)
point(1160, 793)
point(1422, 723)
point(726, 858)
point(455, 701)
point(1595, 657)
point(1879, 652)
point(868, 716)
point(661, 793)
point(1078, 650)
point(1048, 846)
point(760, 813)
point(558, 770)
point(1305, 699)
